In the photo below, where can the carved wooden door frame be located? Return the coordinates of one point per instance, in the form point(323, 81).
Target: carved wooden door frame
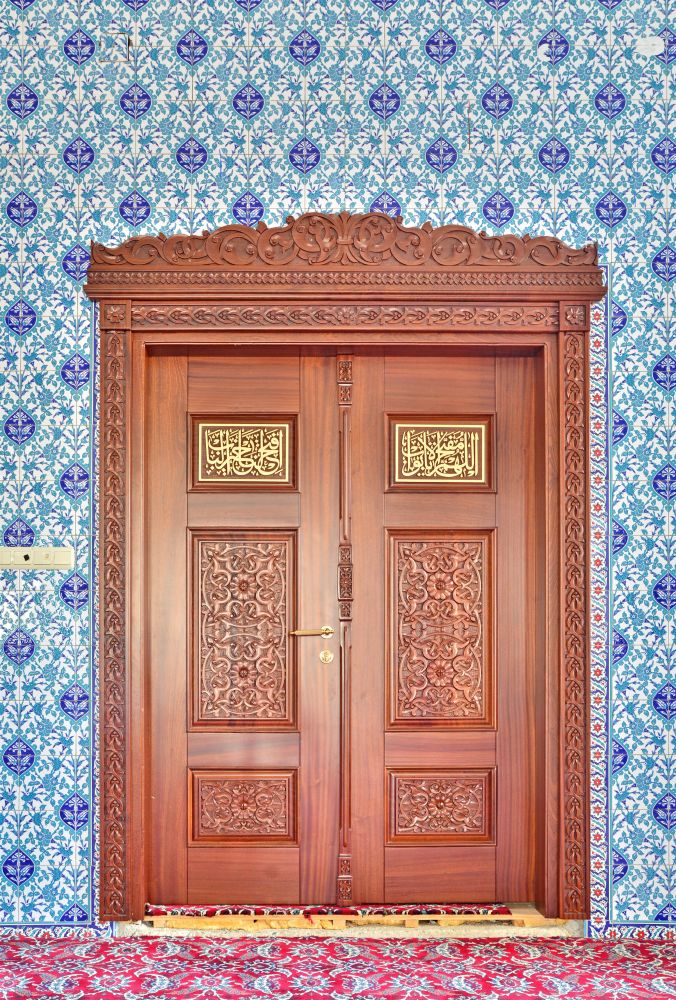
point(338, 280)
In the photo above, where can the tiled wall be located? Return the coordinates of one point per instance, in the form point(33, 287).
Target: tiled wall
point(539, 116)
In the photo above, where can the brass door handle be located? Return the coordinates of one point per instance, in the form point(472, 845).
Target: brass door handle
point(326, 631)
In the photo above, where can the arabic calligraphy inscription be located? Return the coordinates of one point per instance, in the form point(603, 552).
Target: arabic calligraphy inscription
point(231, 454)
point(440, 454)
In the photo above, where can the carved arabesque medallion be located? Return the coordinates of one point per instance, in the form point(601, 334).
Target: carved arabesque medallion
point(243, 597)
point(448, 806)
point(441, 635)
point(243, 805)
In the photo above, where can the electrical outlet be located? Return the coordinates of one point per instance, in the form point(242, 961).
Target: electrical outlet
point(50, 557)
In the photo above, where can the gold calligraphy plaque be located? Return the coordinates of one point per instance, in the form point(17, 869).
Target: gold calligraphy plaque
point(231, 453)
point(440, 453)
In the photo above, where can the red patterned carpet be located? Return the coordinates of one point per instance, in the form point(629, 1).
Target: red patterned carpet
point(336, 969)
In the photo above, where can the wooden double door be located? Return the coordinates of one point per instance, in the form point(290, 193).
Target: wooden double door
point(387, 499)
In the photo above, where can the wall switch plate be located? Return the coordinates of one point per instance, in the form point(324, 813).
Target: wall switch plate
point(50, 557)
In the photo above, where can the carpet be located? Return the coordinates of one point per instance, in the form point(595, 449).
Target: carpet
point(410, 909)
point(330, 969)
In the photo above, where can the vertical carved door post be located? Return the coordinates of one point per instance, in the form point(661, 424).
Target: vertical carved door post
point(573, 361)
point(115, 325)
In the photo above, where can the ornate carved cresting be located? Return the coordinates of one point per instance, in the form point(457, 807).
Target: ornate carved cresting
point(441, 607)
point(243, 453)
point(445, 806)
point(574, 599)
point(445, 452)
point(460, 316)
point(243, 805)
point(344, 240)
point(243, 592)
point(114, 902)
point(344, 363)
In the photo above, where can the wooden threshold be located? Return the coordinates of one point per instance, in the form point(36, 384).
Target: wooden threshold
point(522, 915)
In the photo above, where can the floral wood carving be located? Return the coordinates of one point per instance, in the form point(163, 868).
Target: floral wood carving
point(115, 316)
point(574, 317)
point(440, 654)
point(242, 614)
point(269, 280)
point(575, 783)
point(455, 316)
point(344, 240)
point(243, 805)
point(113, 629)
point(452, 806)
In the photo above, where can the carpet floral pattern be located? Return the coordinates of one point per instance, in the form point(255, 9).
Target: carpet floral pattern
point(330, 969)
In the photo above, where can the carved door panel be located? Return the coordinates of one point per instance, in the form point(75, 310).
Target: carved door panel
point(242, 523)
point(441, 636)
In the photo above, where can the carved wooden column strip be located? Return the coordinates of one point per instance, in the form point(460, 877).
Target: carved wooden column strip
point(574, 597)
point(344, 377)
point(115, 335)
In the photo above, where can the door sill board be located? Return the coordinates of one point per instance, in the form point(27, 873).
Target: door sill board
point(521, 915)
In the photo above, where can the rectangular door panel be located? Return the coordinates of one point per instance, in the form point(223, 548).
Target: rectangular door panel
point(438, 874)
point(243, 806)
point(230, 452)
point(243, 749)
point(434, 748)
point(440, 663)
point(260, 510)
point(467, 510)
point(166, 649)
point(244, 875)
point(516, 641)
point(441, 806)
point(251, 381)
point(454, 453)
point(243, 609)
point(418, 385)
point(440, 453)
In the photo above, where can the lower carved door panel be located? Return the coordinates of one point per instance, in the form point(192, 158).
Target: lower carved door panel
point(384, 503)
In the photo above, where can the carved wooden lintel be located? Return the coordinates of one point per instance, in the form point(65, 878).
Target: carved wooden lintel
point(454, 316)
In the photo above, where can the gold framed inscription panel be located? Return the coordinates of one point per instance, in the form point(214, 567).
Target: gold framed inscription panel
point(230, 452)
point(440, 453)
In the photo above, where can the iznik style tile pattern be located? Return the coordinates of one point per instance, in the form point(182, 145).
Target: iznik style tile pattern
point(540, 116)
